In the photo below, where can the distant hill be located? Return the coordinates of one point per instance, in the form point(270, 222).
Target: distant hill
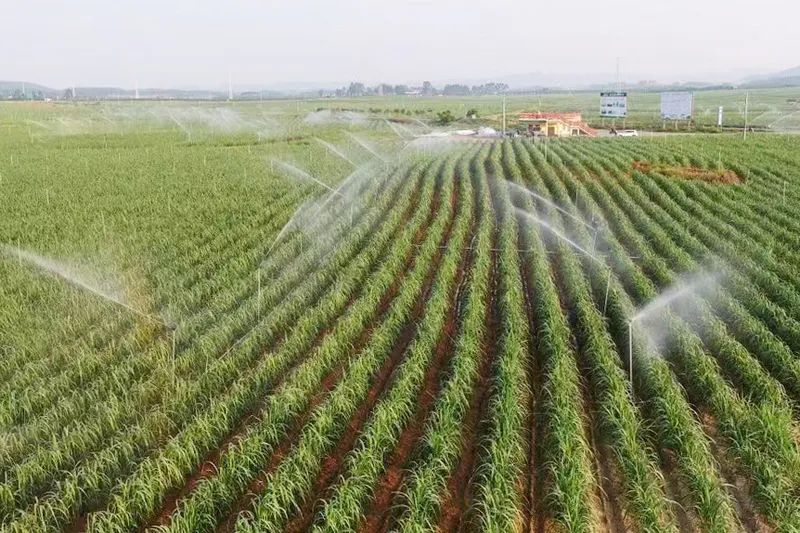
point(11, 85)
point(785, 78)
point(788, 73)
point(8, 88)
point(12, 89)
point(519, 83)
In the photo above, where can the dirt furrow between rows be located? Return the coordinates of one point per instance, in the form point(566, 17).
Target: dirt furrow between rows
point(535, 515)
point(379, 510)
point(738, 486)
point(208, 466)
point(607, 504)
point(332, 464)
point(459, 486)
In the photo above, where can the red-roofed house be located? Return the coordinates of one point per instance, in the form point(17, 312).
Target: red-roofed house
point(556, 124)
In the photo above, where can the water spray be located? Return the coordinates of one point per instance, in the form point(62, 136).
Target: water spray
point(185, 129)
point(418, 121)
point(630, 351)
point(258, 292)
point(283, 231)
point(394, 129)
point(558, 234)
point(335, 150)
point(404, 129)
point(302, 174)
point(63, 273)
point(671, 294)
point(575, 245)
point(524, 190)
point(366, 146)
point(300, 210)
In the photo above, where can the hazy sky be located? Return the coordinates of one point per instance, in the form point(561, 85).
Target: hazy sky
point(179, 43)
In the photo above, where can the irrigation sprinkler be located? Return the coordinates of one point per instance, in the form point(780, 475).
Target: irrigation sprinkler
point(630, 350)
point(746, 105)
point(608, 286)
point(61, 272)
point(572, 243)
point(674, 292)
point(258, 292)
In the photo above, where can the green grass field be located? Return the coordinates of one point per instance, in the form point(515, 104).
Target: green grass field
point(775, 109)
point(261, 317)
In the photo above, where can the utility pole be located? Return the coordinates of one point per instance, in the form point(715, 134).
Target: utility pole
point(504, 115)
point(746, 104)
point(230, 87)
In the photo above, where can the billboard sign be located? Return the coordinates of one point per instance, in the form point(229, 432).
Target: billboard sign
point(677, 105)
point(613, 104)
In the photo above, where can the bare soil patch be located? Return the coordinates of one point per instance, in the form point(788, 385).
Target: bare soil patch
point(723, 177)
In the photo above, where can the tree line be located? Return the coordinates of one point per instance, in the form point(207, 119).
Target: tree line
point(357, 89)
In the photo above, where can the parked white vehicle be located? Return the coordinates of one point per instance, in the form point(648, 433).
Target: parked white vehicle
point(624, 133)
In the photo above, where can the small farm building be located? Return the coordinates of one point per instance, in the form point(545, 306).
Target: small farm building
point(556, 124)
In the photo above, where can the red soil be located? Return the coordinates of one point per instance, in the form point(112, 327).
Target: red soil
point(459, 486)
point(535, 515)
point(334, 462)
point(208, 465)
point(608, 495)
point(380, 508)
point(678, 493)
point(245, 501)
point(257, 484)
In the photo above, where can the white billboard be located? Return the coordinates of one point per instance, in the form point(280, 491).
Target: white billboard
point(677, 105)
point(613, 104)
